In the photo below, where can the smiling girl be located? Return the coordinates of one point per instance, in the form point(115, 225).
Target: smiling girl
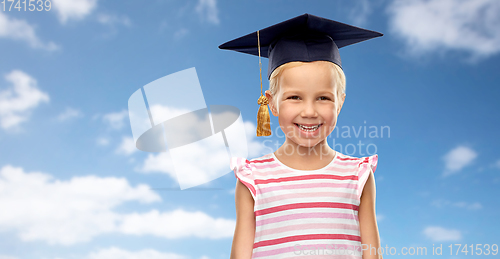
point(305, 200)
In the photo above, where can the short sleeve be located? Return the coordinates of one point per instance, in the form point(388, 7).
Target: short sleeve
point(243, 171)
point(367, 164)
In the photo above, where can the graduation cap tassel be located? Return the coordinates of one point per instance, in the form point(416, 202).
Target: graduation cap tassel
point(263, 119)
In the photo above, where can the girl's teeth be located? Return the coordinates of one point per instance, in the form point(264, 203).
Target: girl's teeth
point(308, 128)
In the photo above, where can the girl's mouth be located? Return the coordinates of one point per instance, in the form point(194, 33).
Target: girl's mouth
point(308, 129)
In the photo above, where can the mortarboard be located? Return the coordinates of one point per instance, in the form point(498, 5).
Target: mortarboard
point(304, 38)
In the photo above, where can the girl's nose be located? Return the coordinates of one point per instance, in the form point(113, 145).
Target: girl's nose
point(309, 110)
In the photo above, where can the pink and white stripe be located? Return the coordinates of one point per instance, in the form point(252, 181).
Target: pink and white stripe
point(306, 213)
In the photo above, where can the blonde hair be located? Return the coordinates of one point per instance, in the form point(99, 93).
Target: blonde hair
point(340, 81)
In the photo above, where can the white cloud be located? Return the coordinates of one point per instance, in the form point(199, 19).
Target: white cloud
point(116, 120)
point(163, 163)
point(102, 141)
point(188, 130)
point(440, 203)
point(112, 19)
point(161, 113)
point(436, 25)
point(73, 9)
point(439, 234)
point(17, 102)
point(40, 207)
point(16, 29)
point(69, 113)
point(158, 163)
point(497, 164)
point(187, 224)
point(359, 14)
point(467, 205)
point(256, 147)
point(117, 253)
point(127, 146)
point(7, 257)
point(457, 159)
point(180, 33)
point(198, 157)
point(207, 9)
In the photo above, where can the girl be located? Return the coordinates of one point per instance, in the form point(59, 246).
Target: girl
point(305, 200)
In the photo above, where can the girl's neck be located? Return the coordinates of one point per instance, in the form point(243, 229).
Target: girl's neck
point(305, 158)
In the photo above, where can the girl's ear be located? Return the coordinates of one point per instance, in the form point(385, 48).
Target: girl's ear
point(271, 103)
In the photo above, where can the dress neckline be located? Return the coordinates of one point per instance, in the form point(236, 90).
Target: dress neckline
point(329, 164)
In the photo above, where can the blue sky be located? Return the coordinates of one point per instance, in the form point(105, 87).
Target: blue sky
point(72, 184)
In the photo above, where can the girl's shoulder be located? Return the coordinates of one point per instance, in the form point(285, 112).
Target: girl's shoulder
point(361, 167)
point(360, 161)
point(244, 164)
point(245, 170)
point(267, 158)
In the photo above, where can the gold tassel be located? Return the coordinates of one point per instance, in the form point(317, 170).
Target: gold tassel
point(263, 119)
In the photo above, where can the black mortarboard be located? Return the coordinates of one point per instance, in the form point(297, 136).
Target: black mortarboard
point(303, 38)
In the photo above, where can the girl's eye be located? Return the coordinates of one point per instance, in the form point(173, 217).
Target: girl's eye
point(296, 97)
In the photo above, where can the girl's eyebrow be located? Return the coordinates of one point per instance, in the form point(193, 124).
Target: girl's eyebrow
point(292, 92)
point(327, 92)
point(299, 92)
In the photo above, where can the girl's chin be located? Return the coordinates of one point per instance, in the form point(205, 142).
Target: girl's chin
point(306, 143)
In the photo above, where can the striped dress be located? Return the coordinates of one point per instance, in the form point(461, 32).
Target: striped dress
point(306, 213)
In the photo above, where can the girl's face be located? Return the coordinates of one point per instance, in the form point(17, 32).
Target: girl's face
point(307, 97)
